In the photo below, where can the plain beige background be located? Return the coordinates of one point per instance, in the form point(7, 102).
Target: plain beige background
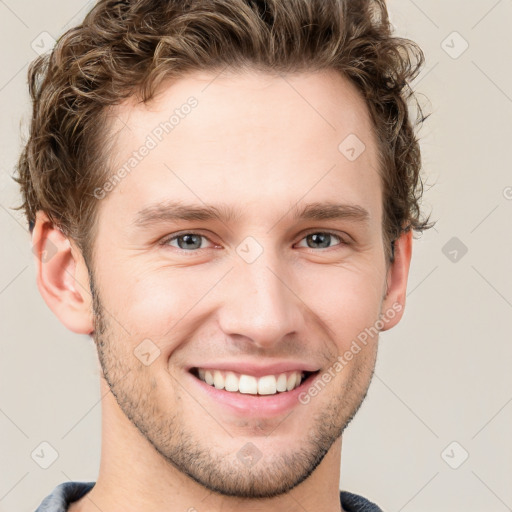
point(442, 388)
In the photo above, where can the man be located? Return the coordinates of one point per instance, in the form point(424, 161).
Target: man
point(222, 193)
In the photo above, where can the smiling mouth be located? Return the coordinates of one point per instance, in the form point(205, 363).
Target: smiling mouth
point(249, 384)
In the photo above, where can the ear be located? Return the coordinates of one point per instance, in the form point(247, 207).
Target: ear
point(396, 280)
point(62, 276)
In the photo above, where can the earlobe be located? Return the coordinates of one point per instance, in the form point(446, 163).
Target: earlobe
point(396, 280)
point(62, 276)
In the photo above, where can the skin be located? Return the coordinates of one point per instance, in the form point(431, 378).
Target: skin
point(260, 144)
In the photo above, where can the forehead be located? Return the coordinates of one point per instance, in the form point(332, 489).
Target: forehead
point(246, 138)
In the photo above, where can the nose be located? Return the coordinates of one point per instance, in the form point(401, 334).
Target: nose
point(259, 303)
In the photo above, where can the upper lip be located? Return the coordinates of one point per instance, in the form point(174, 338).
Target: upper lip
point(257, 370)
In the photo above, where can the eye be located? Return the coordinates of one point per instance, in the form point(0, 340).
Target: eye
point(185, 241)
point(321, 240)
point(192, 242)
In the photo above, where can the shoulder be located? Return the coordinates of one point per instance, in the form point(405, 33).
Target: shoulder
point(354, 503)
point(64, 494)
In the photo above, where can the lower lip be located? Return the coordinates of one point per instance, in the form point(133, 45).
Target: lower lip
point(255, 406)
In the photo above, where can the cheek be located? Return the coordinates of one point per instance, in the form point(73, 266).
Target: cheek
point(347, 299)
point(152, 302)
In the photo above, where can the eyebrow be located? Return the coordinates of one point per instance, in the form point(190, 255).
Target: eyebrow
point(171, 211)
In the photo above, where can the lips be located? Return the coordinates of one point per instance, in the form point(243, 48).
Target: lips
point(251, 378)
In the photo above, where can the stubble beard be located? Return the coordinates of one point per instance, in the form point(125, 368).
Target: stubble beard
point(220, 472)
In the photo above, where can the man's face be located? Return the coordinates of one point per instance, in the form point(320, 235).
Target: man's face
point(258, 293)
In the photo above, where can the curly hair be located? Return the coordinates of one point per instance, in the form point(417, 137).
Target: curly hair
point(128, 48)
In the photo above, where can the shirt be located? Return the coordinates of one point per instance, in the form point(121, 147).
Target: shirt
point(67, 492)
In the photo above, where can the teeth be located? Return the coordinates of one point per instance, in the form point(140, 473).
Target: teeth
point(218, 379)
point(231, 382)
point(267, 385)
point(290, 383)
point(248, 384)
point(281, 382)
point(208, 377)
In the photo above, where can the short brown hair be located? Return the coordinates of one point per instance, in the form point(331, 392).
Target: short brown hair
point(127, 48)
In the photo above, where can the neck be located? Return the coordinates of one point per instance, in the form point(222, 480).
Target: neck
point(134, 476)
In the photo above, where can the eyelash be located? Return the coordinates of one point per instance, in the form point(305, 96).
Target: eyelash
point(165, 242)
